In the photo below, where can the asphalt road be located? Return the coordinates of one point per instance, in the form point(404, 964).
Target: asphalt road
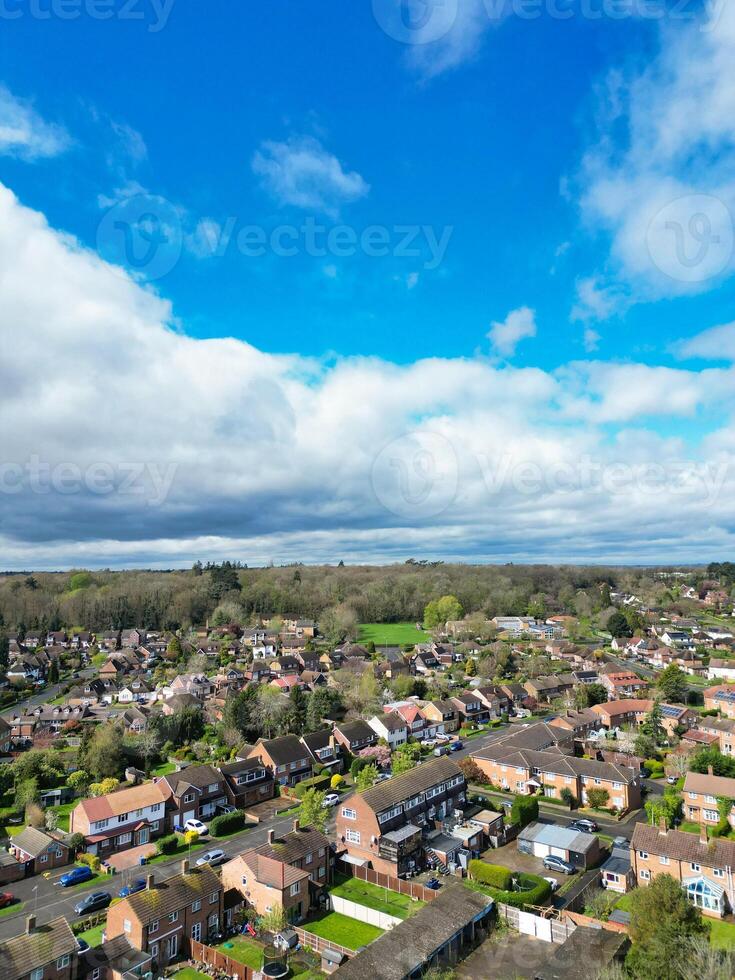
point(46, 694)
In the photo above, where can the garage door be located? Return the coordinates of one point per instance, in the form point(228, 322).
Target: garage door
point(541, 850)
point(559, 852)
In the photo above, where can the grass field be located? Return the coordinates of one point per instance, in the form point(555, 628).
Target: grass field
point(164, 769)
point(721, 934)
point(342, 930)
point(374, 897)
point(63, 810)
point(392, 634)
point(245, 950)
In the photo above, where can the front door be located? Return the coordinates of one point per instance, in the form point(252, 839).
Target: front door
point(144, 835)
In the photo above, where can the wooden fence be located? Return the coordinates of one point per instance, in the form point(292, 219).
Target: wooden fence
point(383, 880)
point(213, 957)
point(319, 944)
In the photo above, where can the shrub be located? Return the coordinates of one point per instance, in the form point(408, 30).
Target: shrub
point(91, 860)
point(167, 845)
point(316, 782)
point(532, 890)
point(336, 781)
point(598, 798)
point(654, 766)
point(568, 797)
point(227, 823)
point(524, 810)
point(491, 874)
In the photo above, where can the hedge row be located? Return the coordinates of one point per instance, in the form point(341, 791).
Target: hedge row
point(227, 823)
point(535, 891)
point(167, 845)
point(316, 782)
point(491, 874)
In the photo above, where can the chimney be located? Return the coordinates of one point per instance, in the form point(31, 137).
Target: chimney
point(185, 866)
point(662, 826)
point(30, 924)
point(703, 834)
point(296, 825)
point(271, 836)
point(149, 881)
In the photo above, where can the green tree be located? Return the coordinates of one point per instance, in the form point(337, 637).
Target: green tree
point(598, 798)
point(673, 685)
point(313, 812)
point(662, 923)
point(366, 777)
point(653, 725)
point(617, 625)
point(103, 755)
point(79, 782)
point(297, 710)
point(524, 810)
point(440, 611)
point(238, 712)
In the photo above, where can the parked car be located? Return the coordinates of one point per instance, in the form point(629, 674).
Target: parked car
point(6, 899)
point(212, 858)
point(456, 746)
point(331, 799)
point(428, 743)
point(382, 777)
point(135, 886)
point(553, 882)
point(93, 903)
point(554, 863)
point(442, 737)
point(584, 825)
point(197, 825)
point(76, 876)
point(441, 750)
point(16, 819)
point(83, 945)
point(671, 780)
point(225, 808)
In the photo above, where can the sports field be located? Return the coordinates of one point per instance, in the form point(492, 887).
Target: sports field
point(392, 634)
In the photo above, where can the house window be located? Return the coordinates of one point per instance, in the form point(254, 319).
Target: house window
point(663, 860)
point(718, 872)
point(63, 962)
point(353, 836)
point(295, 888)
point(711, 815)
point(127, 927)
point(174, 917)
point(213, 898)
point(44, 858)
point(321, 852)
point(189, 798)
point(154, 950)
point(96, 974)
point(692, 796)
point(244, 880)
point(349, 814)
point(309, 858)
point(322, 872)
point(645, 874)
point(196, 906)
point(153, 927)
point(213, 788)
point(695, 867)
point(643, 855)
point(37, 974)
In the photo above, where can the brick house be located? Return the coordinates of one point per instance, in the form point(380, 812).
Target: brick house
point(704, 867)
point(163, 918)
point(247, 782)
point(443, 713)
point(391, 727)
point(123, 819)
point(622, 684)
point(193, 793)
point(288, 760)
point(384, 826)
point(720, 698)
point(48, 952)
point(325, 749)
point(355, 735)
point(630, 711)
point(290, 871)
point(723, 728)
point(701, 793)
point(470, 708)
point(38, 851)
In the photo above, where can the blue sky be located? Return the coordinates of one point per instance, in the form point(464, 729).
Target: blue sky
point(564, 187)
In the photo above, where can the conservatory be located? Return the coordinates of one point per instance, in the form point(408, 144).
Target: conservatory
point(705, 895)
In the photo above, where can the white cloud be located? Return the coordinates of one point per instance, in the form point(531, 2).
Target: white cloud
point(283, 457)
point(300, 171)
point(597, 300)
point(449, 33)
point(715, 344)
point(24, 133)
point(505, 335)
point(591, 339)
point(658, 178)
point(206, 238)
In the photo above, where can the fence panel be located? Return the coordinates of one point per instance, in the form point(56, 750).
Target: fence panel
point(212, 957)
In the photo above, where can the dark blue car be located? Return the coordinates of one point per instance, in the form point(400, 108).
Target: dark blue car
point(135, 886)
point(456, 746)
point(76, 876)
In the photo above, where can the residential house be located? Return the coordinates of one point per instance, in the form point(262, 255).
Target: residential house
point(325, 749)
point(247, 782)
point(164, 917)
point(425, 662)
point(724, 669)
point(38, 851)
point(720, 698)
point(290, 872)
point(391, 727)
point(702, 794)
point(723, 728)
point(580, 723)
point(616, 874)
point(630, 711)
point(287, 758)
point(622, 684)
point(48, 952)
point(123, 819)
point(444, 713)
point(384, 826)
point(355, 735)
point(470, 708)
point(194, 793)
point(703, 867)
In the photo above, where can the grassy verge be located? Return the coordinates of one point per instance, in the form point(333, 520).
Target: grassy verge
point(721, 934)
point(342, 930)
point(12, 909)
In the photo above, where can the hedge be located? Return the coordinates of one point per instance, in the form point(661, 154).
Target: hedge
point(316, 782)
point(524, 810)
point(491, 874)
point(227, 823)
point(534, 891)
point(167, 845)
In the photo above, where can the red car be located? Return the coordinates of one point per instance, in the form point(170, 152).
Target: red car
point(6, 899)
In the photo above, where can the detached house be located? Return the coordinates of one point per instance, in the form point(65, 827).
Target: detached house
point(470, 708)
point(286, 757)
point(247, 782)
point(38, 851)
point(622, 684)
point(391, 727)
point(195, 793)
point(123, 819)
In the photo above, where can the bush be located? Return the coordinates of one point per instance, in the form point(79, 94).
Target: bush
point(532, 890)
point(316, 782)
point(91, 860)
point(227, 823)
point(336, 781)
point(568, 797)
point(524, 810)
point(167, 845)
point(491, 874)
point(598, 798)
point(654, 767)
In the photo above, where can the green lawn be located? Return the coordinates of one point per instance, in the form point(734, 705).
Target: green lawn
point(11, 909)
point(721, 934)
point(187, 973)
point(245, 950)
point(93, 936)
point(181, 851)
point(164, 769)
point(374, 897)
point(689, 828)
point(392, 634)
point(63, 810)
point(342, 930)
point(623, 903)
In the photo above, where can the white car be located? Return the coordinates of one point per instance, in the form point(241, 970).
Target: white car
point(428, 743)
point(211, 857)
point(553, 882)
point(441, 737)
point(197, 825)
point(331, 799)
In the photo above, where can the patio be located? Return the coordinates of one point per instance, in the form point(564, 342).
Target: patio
point(131, 858)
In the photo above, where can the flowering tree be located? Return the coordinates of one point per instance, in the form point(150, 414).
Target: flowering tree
point(378, 754)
